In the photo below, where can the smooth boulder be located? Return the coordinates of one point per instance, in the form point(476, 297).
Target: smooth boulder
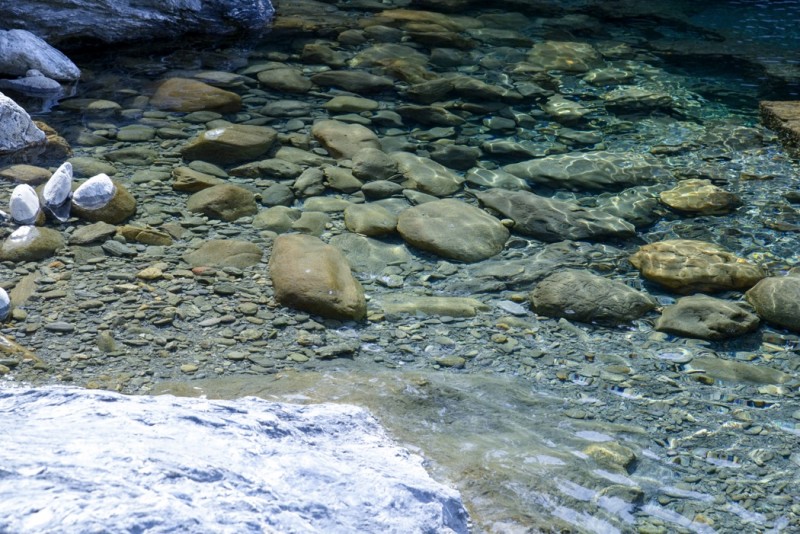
point(17, 130)
point(120, 208)
point(777, 300)
point(310, 275)
point(453, 229)
point(227, 202)
point(230, 144)
point(552, 220)
point(29, 243)
point(186, 95)
point(589, 298)
point(344, 140)
point(704, 317)
point(21, 51)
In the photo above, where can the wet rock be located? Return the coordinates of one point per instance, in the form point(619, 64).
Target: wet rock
point(589, 298)
point(185, 94)
point(369, 219)
point(339, 179)
point(490, 178)
point(704, 317)
point(777, 300)
point(309, 275)
point(370, 256)
point(373, 164)
point(564, 55)
point(424, 305)
point(608, 76)
point(191, 181)
point(589, 170)
point(225, 253)
point(227, 202)
point(381, 189)
point(732, 371)
point(115, 21)
point(453, 229)
point(700, 196)
point(457, 157)
point(784, 118)
point(637, 205)
point(18, 131)
point(21, 51)
point(285, 79)
point(553, 220)
point(344, 140)
point(350, 104)
point(87, 167)
point(24, 205)
point(25, 174)
point(230, 144)
point(691, 266)
point(426, 175)
point(274, 168)
point(145, 235)
point(278, 219)
point(29, 243)
point(355, 81)
point(634, 99)
point(91, 233)
point(430, 115)
point(564, 110)
point(121, 206)
point(612, 454)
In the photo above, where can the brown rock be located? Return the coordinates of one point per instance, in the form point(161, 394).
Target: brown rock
point(700, 196)
point(309, 275)
point(183, 94)
point(784, 118)
point(225, 253)
point(146, 235)
point(192, 181)
point(690, 266)
point(230, 144)
point(227, 202)
point(343, 140)
point(121, 207)
point(29, 243)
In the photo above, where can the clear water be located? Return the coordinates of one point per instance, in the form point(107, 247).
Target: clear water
point(511, 429)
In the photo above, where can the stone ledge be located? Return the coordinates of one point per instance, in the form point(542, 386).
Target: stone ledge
point(784, 118)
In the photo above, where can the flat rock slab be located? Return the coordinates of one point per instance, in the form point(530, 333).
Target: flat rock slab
point(91, 461)
point(552, 220)
point(704, 317)
point(784, 118)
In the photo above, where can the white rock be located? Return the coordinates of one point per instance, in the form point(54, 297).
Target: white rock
point(57, 190)
point(21, 51)
point(24, 204)
point(94, 193)
point(95, 461)
point(17, 130)
point(5, 304)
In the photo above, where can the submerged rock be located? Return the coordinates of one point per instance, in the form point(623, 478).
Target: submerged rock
point(589, 298)
point(225, 253)
point(553, 220)
point(230, 144)
point(600, 170)
point(312, 276)
point(252, 464)
point(183, 94)
point(691, 266)
point(29, 243)
point(777, 300)
point(453, 229)
point(704, 317)
point(700, 196)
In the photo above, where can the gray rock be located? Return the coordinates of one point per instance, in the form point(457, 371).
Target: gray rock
point(426, 175)
point(248, 457)
point(21, 51)
point(121, 21)
point(586, 297)
point(225, 253)
point(589, 170)
point(553, 220)
point(370, 256)
point(777, 300)
point(373, 164)
point(353, 80)
point(704, 317)
point(278, 219)
point(36, 84)
point(17, 130)
point(453, 229)
point(369, 219)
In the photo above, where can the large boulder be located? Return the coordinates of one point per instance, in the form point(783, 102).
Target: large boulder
point(589, 298)
point(121, 20)
point(453, 229)
point(777, 300)
point(599, 170)
point(312, 276)
point(704, 317)
point(119, 463)
point(17, 130)
point(21, 51)
point(551, 220)
point(691, 266)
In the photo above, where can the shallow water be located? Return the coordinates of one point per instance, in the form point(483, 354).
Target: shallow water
point(713, 425)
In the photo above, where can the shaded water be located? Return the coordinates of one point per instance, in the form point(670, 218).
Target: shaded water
point(712, 425)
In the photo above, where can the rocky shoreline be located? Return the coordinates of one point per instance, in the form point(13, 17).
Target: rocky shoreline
point(461, 193)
